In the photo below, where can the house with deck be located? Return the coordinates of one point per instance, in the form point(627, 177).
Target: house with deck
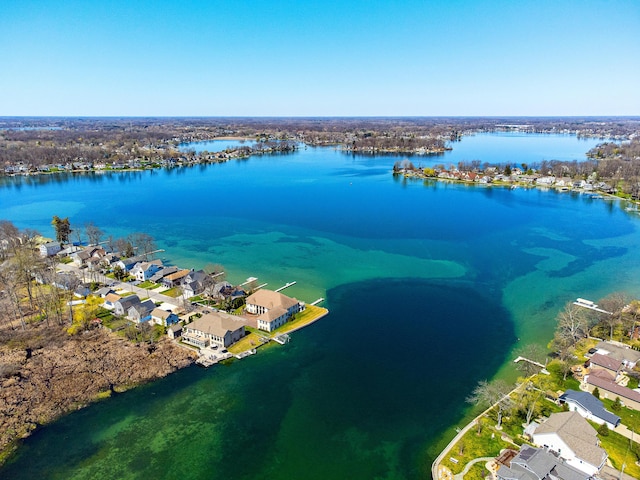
point(213, 329)
point(273, 308)
point(572, 438)
point(532, 463)
point(605, 362)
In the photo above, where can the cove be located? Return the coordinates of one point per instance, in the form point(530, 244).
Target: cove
point(431, 287)
point(355, 396)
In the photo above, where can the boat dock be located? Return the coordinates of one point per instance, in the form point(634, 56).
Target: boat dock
point(581, 302)
point(242, 355)
point(533, 362)
point(285, 286)
point(282, 338)
point(317, 302)
point(249, 280)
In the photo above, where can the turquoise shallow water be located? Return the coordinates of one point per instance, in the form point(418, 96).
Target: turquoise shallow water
point(430, 287)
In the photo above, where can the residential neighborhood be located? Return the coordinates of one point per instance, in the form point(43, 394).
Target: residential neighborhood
point(577, 431)
point(197, 309)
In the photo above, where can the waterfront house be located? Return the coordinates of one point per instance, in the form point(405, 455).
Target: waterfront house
point(610, 389)
point(141, 312)
point(536, 463)
point(163, 317)
point(174, 279)
point(589, 407)
point(127, 264)
point(574, 439)
point(605, 362)
point(83, 256)
point(273, 308)
point(50, 249)
point(213, 329)
point(121, 307)
point(626, 355)
point(194, 283)
point(160, 274)
point(145, 270)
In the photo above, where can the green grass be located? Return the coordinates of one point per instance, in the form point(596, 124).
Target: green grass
point(471, 446)
point(621, 450)
point(66, 260)
point(630, 418)
point(172, 292)
point(309, 315)
point(477, 472)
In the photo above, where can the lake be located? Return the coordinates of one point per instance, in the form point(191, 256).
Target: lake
point(431, 287)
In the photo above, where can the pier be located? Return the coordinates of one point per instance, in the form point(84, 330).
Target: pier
point(249, 280)
point(317, 302)
point(285, 286)
point(581, 302)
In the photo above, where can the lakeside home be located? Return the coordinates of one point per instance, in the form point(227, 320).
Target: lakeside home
point(273, 308)
point(215, 328)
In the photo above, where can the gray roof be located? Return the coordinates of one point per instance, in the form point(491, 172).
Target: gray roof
point(576, 433)
point(613, 387)
point(536, 463)
point(620, 353)
point(591, 404)
point(129, 301)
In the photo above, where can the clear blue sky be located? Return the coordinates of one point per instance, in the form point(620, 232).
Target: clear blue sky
point(320, 58)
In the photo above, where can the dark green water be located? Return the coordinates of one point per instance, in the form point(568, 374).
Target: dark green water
point(430, 287)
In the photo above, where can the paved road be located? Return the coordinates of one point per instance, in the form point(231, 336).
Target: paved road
point(86, 275)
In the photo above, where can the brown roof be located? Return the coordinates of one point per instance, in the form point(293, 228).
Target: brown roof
point(606, 361)
point(613, 387)
point(216, 323)
point(576, 432)
point(270, 299)
point(112, 297)
point(158, 312)
point(178, 275)
point(271, 314)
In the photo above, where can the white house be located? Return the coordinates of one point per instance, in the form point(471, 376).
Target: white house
point(217, 328)
point(273, 308)
point(572, 438)
point(589, 407)
point(50, 249)
point(163, 317)
point(145, 270)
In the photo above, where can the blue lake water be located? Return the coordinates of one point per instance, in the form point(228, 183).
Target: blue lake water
point(427, 284)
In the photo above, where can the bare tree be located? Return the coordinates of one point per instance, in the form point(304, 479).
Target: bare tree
point(572, 325)
point(613, 303)
point(143, 242)
point(94, 234)
point(495, 393)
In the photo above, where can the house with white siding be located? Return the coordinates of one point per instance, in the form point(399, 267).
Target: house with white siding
point(273, 308)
